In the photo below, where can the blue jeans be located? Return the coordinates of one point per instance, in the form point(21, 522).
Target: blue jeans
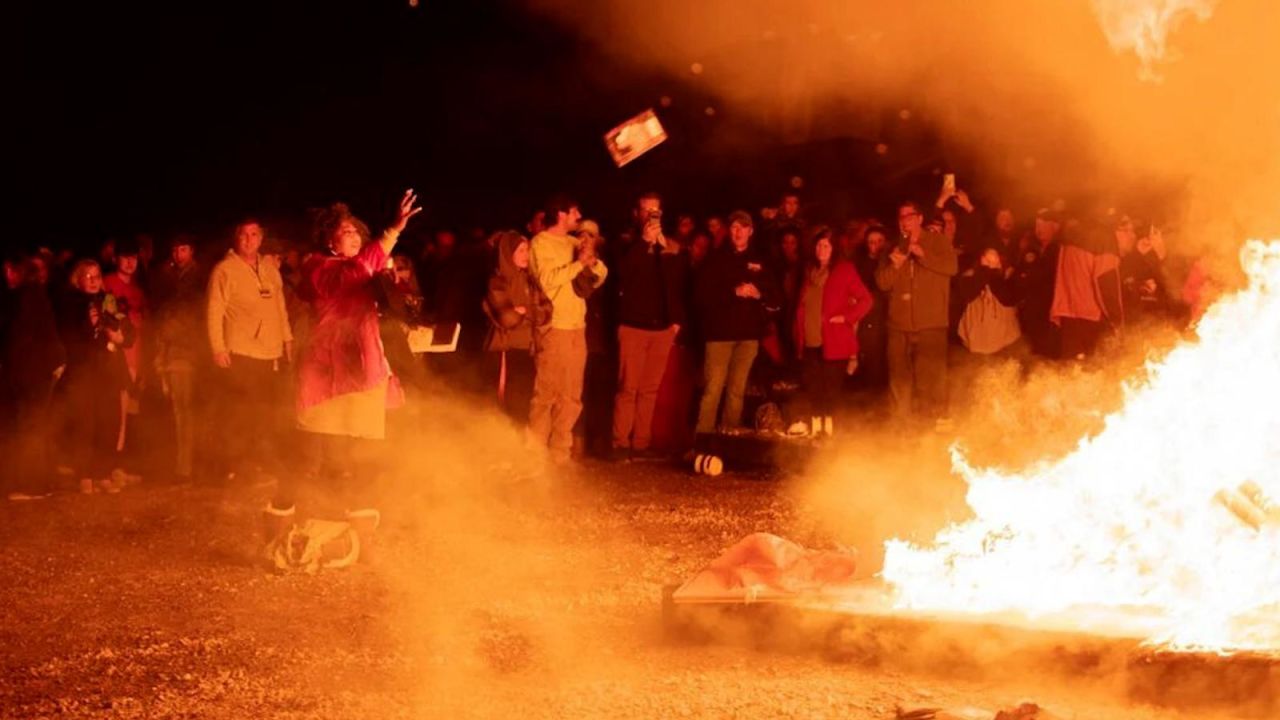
point(725, 369)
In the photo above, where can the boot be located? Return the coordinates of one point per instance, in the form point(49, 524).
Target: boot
point(365, 522)
point(815, 427)
point(827, 425)
point(276, 522)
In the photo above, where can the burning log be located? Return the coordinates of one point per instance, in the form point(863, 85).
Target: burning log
point(1250, 504)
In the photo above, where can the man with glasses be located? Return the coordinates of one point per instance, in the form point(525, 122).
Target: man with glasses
point(916, 275)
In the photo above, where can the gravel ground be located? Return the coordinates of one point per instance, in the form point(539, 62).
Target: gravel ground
point(492, 596)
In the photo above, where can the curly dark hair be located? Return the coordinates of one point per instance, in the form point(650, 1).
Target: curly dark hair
point(326, 221)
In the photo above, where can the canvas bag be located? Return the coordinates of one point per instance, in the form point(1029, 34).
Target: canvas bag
point(988, 326)
point(314, 545)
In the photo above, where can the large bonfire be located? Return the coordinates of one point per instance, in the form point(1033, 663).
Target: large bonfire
point(1163, 525)
point(1160, 525)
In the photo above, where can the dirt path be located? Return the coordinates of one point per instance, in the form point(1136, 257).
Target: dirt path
point(520, 599)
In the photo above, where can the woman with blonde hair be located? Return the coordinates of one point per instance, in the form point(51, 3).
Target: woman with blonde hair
point(95, 332)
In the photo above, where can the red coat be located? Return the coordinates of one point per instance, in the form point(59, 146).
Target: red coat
point(344, 352)
point(844, 295)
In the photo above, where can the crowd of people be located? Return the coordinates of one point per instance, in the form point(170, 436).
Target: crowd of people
point(667, 335)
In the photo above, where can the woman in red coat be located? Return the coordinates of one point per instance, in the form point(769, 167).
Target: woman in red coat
point(345, 384)
point(831, 301)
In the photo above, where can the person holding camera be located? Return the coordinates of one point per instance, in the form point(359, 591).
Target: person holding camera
point(917, 274)
point(651, 285)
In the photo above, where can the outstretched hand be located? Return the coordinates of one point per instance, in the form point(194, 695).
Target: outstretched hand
point(408, 208)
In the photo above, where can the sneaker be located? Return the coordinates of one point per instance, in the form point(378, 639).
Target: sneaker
point(798, 429)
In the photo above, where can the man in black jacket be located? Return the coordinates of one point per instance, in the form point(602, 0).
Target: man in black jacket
point(735, 295)
point(651, 286)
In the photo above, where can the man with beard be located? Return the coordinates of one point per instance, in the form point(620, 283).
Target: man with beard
point(556, 259)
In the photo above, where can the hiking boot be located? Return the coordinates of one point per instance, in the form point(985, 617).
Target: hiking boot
point(276, 522)
point(365, 522)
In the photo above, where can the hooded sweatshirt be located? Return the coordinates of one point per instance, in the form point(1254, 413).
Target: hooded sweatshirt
point(511, 287)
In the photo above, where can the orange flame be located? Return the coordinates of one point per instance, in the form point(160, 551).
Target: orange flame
point(1159, 526)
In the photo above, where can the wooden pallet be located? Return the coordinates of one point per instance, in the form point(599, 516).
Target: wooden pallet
point(955, 647)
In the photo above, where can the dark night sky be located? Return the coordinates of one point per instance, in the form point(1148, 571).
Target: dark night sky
point(185, 115)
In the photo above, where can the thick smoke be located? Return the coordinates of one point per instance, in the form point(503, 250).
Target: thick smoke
point(1031, 92)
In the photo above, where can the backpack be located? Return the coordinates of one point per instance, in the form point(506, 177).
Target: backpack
point(988, 326)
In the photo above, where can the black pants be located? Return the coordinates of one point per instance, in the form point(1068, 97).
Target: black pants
point(873, 363)
point(1079, 337)
point(26, 436)
point(822, 380)
point(348, 467)
point(918, 373)
point(92, 410)
point(519, 383)
point(599, 385)
point(250, 429)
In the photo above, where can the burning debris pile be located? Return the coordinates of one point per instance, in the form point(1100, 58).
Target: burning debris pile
point(1162, 526)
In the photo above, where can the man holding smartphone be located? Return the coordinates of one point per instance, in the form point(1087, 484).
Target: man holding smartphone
point(651, 310)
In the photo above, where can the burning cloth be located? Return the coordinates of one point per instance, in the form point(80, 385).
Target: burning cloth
point(762, 566)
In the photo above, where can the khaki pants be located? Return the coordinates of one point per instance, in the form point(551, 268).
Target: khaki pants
point(725, 369)
point(557, 389)
point(918, 372)
point(642, 360)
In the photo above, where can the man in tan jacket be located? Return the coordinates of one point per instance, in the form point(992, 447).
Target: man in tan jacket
point(916, 275)
point(249, 334)
point(560, 352)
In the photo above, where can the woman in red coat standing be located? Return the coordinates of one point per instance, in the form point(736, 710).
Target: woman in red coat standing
point(831, 301)
point(345, 384)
